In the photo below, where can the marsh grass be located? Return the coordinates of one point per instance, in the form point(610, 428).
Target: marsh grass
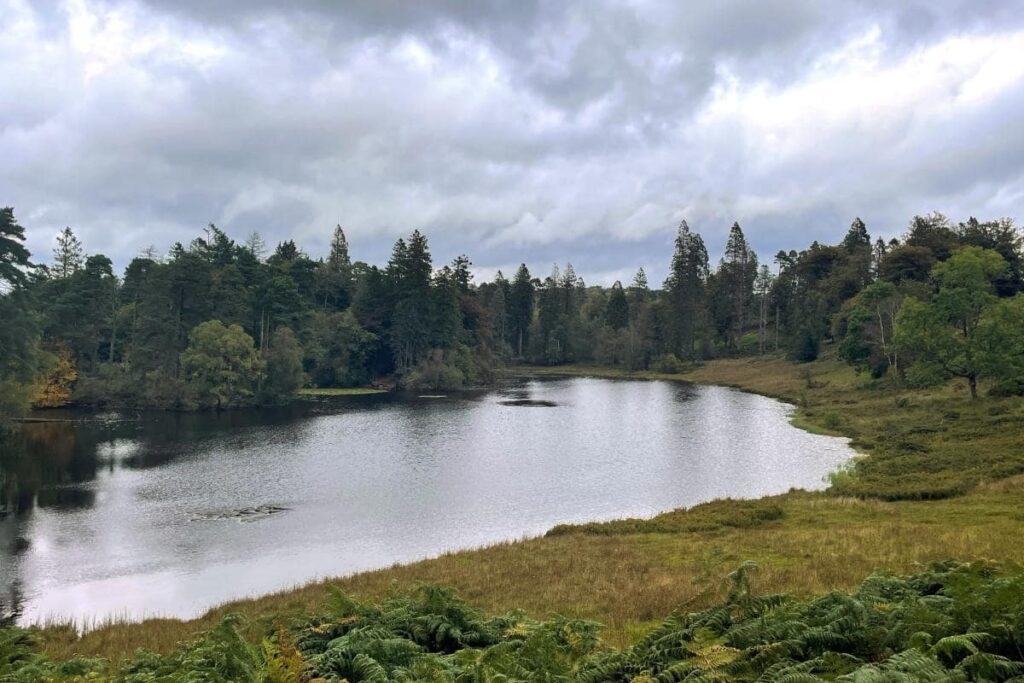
point(942, 478)
point(339, 391)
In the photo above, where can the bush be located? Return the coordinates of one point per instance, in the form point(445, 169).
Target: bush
point(806, 348)
point(1008, 387)
point(437, 371)
point(831, 420)
point(668, 364)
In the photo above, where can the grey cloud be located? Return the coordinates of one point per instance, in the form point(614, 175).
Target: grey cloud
point(512, 131)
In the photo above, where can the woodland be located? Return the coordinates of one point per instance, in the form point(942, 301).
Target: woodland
point(218, 324)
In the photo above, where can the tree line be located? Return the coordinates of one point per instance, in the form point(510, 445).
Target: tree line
point(217, 323)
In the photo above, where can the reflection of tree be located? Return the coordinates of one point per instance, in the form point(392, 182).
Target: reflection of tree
point(10, 606)
point(35, 457)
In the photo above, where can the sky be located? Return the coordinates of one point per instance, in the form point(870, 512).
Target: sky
point(544, 132)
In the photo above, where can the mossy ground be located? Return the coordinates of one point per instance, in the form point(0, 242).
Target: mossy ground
point(942, 478)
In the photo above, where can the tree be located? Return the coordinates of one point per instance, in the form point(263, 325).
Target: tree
point(334, 276)
point(639, 289)
point(497, 308)
point(856, 246)
point(1001, 236)
point(221, 367)
point(68, 256)
point(906, 263)
point(339, 350)
point(870, 321)
point(763, 287)
point(520, 307)
point(616, 313)
point(942, 334)
point(933, 232)
point(409, 279)
point(255, 245)
point(738, 271)
point(215, 248)
point(686, 287)
point(857, 237)
point(339, 259)
point(14, 257)
point(18, 328)
point(1001, 338)
point(283, 362)
point(56, 384)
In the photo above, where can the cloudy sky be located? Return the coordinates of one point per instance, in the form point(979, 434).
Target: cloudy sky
point(519, 130)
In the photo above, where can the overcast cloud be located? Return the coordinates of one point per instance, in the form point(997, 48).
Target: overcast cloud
point(536, 131)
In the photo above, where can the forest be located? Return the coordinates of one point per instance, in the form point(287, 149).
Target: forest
point(217, 323)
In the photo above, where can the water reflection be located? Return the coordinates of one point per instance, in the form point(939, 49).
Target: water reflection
point(140, 513)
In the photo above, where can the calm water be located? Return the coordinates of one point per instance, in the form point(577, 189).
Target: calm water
point(165, 514)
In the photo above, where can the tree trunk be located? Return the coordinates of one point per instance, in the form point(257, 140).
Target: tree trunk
point(113, 336)
point(777, 310)
point(972, 382)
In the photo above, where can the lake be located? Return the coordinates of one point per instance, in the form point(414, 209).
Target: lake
point(144, 514)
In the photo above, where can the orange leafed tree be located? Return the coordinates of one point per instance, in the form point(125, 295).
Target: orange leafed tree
point(55, 386)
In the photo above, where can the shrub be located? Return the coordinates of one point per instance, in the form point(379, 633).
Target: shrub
point(668, 364)
point(805, 348)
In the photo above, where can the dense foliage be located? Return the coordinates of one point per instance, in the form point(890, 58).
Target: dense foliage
point(221, 324)
point(949, 623)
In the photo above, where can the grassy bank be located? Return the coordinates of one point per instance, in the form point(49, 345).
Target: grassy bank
point(941, 479)
point(339, 391)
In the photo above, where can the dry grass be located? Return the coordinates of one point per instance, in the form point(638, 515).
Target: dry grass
point(629, 573)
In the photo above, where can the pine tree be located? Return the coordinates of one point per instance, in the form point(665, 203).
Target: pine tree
point(18, 327)
point(68, 256)
point(520, 306)
point(687, 289)
point(738, 270)
point(339, 260)
point(14, 257)
point(255, 245)
point(763, 286)
point(640, 287)
point(857, 238)
point(856, 246)
point(616, 312)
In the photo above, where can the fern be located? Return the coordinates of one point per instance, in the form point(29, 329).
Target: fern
point(946, 624)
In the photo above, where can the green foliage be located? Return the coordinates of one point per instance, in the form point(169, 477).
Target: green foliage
point(956, 334)
point(284, 375)
point(338, 350)
point(951, 622)
point(221, 366)
point(806, 347)
point(616, 313)
point(869, 321)
point(718, 514)
point(19, 348)
point(668, 364)
point(409, 323)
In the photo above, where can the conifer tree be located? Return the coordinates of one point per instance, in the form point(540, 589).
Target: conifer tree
point(616, 312)
point(521, 308)
point(339, 260)
point(687, 289)
point(738, 272)
point(68, 256)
